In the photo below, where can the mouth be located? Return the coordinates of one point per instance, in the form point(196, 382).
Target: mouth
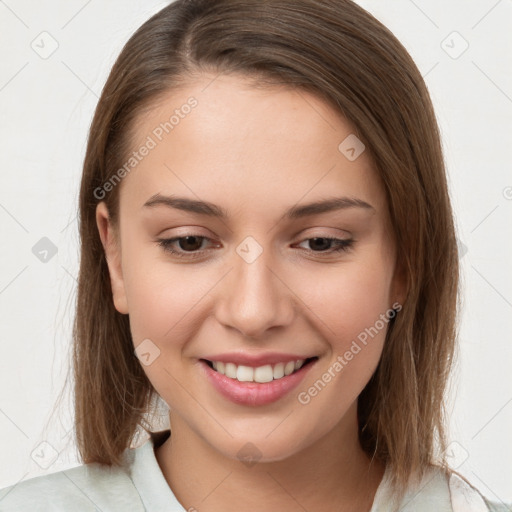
point(256, 386)
point(259, 374)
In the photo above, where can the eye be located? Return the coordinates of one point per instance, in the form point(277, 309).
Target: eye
point(190, 246)
point(328, 245)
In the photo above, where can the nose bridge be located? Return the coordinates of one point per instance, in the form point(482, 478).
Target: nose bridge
point(254, 298)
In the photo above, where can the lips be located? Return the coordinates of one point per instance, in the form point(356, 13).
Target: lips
point(248, 391)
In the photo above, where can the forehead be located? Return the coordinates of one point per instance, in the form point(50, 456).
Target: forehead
point(250, 149)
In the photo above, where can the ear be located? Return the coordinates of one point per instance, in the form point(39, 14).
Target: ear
point(111, 245)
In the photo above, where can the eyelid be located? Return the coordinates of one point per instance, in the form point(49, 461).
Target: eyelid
point(320, 232)
point(339, 245)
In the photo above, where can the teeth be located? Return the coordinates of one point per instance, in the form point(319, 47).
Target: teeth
point(245, 374)
point(261, 374)
point(279, 370)
point(230, 370)
point(264, 374)
point(289, 368)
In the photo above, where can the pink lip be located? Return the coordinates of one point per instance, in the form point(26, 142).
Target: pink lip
point(255, 360)
point(254, 393)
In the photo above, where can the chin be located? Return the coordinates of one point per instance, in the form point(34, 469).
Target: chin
point(259, 448)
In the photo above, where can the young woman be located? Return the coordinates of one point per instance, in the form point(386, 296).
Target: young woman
point(268, 248)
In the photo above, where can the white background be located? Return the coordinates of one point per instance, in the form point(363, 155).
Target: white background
point(46, 106)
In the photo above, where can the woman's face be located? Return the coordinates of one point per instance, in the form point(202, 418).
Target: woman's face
point(261, 286)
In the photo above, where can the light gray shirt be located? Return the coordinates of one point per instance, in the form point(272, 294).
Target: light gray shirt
point(139, 485)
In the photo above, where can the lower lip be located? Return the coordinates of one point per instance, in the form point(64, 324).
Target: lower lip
point(255, 393)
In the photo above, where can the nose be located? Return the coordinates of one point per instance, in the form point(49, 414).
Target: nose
point(254, 297)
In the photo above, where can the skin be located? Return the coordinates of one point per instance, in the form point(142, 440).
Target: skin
point(255, 152)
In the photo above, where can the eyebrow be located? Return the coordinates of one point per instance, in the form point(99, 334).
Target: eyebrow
point(295, 212)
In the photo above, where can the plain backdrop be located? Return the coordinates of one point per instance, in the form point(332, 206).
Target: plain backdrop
point(55, 57)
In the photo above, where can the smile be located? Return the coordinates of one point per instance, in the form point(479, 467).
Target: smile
point(261, 374)
point(255, 386)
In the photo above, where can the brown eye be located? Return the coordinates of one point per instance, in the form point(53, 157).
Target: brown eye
point(184, 246)
point(190, 246)
point(328, 245)
point(190, 243)
point(320, 244)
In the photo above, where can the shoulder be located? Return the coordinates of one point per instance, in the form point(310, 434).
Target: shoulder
point(466, 498)
point(89, 487)
point(439, 490)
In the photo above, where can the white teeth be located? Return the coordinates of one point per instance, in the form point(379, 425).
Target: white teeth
point(289, 368)
point(245, 373)
point(230, 370)
point(279, 370)
point(261, 374)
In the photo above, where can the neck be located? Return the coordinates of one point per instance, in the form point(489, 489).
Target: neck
point(335, 467)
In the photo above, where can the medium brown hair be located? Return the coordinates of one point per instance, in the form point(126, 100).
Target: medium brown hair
point(341, 53)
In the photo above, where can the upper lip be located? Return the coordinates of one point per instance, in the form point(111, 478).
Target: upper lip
point(255, 360)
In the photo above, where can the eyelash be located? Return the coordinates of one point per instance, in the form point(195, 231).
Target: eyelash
point(340, 245)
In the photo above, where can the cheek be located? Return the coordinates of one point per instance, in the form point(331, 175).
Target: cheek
point(349, 299)
point(160, 299)
point(357, 327)
point(352, 305)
